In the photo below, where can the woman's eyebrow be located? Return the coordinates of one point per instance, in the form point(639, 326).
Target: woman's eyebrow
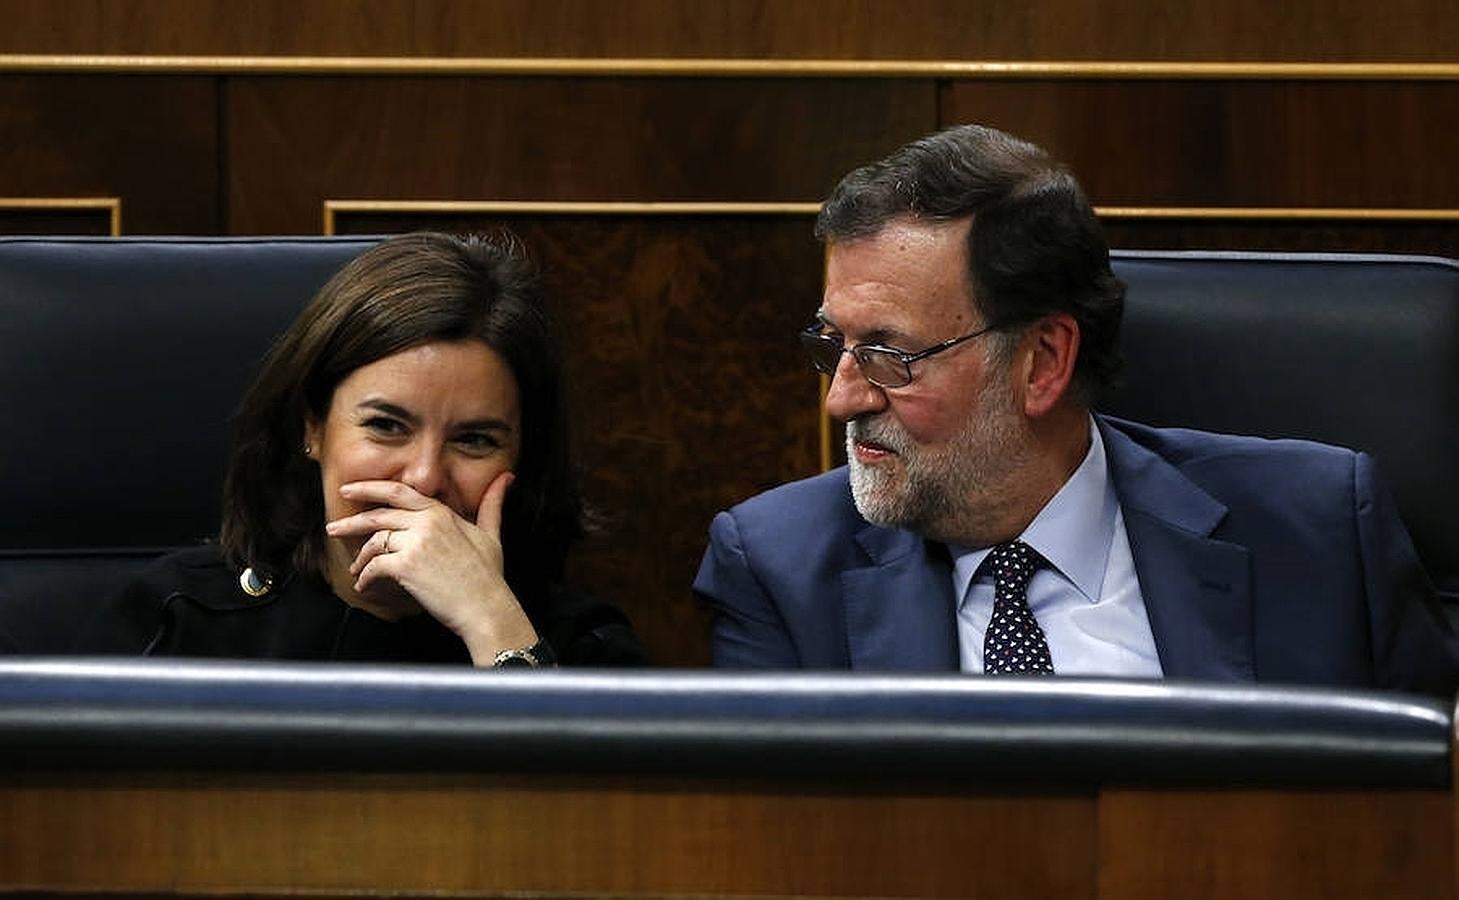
point(388, 408)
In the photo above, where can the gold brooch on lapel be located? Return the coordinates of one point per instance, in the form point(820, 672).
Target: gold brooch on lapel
point(253, 584)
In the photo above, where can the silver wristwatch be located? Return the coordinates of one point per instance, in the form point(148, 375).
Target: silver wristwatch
point(537, 656)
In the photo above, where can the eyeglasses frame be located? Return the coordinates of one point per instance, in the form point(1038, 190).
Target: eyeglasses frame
point(812, 334)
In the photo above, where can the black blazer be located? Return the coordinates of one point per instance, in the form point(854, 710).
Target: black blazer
point(190, 603)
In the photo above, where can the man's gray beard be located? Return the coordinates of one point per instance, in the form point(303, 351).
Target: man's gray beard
point(940, 494)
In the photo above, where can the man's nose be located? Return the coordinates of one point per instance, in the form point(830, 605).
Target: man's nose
point(850, 394)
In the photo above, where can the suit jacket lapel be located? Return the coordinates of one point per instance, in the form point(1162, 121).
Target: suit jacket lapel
point(900, 613)
point(1197, 589)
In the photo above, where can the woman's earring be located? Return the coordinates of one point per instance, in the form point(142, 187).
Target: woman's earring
point(308, 451)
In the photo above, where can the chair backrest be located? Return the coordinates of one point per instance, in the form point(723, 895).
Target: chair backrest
point(121, 362)
point(1356, 350)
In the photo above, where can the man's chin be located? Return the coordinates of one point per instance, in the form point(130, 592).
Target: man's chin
point(875, 496)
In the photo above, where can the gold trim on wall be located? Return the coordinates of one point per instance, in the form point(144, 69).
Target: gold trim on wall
point(112, 206)
point(540, 207)
point(1278, 213)
point(332, 208)
point(730, 68)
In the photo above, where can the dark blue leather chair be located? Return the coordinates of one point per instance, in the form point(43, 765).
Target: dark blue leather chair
point(1356, 350)
point(121, 361)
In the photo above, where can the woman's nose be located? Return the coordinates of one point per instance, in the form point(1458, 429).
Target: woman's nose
point(424, 469)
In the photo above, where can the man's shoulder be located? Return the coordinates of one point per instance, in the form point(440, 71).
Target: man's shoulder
point(812, 517)
point(826, 493)
point(1154, 467)
point(1187, 448)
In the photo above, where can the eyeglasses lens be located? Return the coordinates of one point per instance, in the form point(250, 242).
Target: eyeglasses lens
point(882, 368)
point(823, 351)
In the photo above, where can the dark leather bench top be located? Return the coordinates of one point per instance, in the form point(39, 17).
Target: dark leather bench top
point(73, 714)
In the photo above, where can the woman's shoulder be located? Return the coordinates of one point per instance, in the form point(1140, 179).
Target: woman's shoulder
point(201, 573)
point(147, 611)
point(199, 559)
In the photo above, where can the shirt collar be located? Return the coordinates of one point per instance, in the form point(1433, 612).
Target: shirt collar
point(1073, 531)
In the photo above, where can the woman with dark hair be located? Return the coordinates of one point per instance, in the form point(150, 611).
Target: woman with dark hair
point(400, 488)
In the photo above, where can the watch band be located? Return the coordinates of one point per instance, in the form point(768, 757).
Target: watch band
point(537, 656)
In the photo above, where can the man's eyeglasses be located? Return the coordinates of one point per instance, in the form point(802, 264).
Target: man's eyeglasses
point(885, 367)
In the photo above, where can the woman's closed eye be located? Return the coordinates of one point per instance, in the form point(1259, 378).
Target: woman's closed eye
point(478, 443)
point(384, 426)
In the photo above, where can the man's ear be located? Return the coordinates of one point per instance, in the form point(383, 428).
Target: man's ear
point(1053, 343)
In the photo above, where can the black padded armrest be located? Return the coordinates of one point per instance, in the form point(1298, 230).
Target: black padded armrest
point(157, 714)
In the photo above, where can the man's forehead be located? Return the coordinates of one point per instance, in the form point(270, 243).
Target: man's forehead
point(892, 281)
point(911, 234)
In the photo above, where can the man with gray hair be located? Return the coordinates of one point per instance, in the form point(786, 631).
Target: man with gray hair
point(988, 520)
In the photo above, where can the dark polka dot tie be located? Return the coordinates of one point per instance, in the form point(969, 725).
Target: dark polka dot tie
point(1014, 644)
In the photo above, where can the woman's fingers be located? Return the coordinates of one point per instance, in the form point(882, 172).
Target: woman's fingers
point(369, 522)
point(380, 543)
point(394, 506)
point(386, 493)
point(489, 514)
point(385, 528)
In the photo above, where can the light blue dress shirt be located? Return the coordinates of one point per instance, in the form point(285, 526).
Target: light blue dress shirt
point(1087, 601)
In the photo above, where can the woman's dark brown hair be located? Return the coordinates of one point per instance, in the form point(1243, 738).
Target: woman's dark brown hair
point(403, 292)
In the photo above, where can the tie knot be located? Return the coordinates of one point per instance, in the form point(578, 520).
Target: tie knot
point(1013, 563)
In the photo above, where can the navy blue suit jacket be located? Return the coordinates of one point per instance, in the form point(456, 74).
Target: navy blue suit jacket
point(1275, 561)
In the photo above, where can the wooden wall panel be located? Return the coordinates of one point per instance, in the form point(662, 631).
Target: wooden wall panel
point(151, 141)
point(1221, 844)
point(52, 222)
point(293, 143)
point(391, 836)
point(97, 217)
point(1300, 30)
point(691, 391)
point(1235, 143)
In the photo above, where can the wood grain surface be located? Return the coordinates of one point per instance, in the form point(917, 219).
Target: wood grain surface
point(1297, 30)
point(182, 834)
